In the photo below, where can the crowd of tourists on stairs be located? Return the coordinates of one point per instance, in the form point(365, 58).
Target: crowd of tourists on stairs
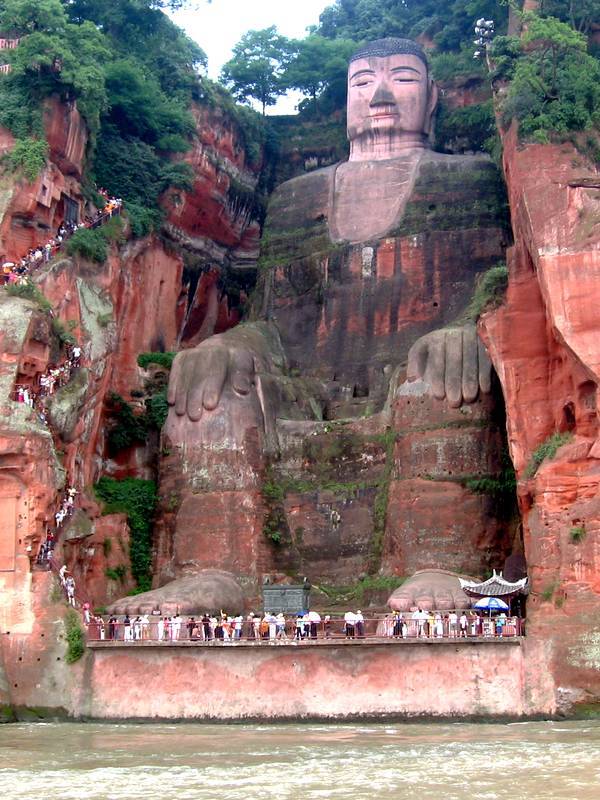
point(65, 509)
point(18, 271)
point(46, 383)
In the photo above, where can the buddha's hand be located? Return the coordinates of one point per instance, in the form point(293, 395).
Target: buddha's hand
point(453, 362)
point(200, 376)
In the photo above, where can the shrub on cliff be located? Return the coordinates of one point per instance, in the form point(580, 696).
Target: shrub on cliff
point(160, 359)
point(28, 156)
point(136, 498)
point(126, 429)
point(92, 243)
point(29, 291)
point(555, 83)
point(75, 637)
point(546, 450)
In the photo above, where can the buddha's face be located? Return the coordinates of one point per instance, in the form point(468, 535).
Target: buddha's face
point(389, 96)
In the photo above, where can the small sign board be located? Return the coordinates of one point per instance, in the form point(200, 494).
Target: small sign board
point(286, 599)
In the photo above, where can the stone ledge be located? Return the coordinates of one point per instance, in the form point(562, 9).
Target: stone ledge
point(327, 643)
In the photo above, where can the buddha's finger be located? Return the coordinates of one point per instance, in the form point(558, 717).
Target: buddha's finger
point(485, 369)
point(195, 400)
point(216, 371)
point(174, 378)
point(454, 367)
point(470, 365)
point(242, 371)
point(181, 388)
point(417, 360)
point(435, 374)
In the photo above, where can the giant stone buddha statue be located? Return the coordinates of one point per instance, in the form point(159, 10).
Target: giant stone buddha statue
point(366, 268)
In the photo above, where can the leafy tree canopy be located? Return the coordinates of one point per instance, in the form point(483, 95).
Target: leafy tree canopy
point(317, 64)
point(554, 82)
point(257, 67)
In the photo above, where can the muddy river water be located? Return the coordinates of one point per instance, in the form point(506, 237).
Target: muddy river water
point(86, 761)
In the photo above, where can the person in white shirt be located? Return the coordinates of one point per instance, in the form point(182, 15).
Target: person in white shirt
point(350, 624)
point(453, 624)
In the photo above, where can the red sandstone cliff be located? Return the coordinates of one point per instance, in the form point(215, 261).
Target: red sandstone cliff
point(139, 300)
point(545, 346)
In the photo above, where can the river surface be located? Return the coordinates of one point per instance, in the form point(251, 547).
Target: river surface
point(523, 761)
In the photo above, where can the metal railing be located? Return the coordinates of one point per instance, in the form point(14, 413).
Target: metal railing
point(384, 628)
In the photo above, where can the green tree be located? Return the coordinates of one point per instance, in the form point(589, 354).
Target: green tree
point(55, 56)
point(256, 69)
point(555, 84)
point(580, 14)
point(21, 17)
point(318, 63)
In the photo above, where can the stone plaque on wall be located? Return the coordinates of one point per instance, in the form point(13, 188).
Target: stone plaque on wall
point(286, 599)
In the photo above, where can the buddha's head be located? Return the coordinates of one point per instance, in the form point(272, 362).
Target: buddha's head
point(391, 99)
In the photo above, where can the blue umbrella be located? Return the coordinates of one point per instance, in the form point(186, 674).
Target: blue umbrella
point(491, 604)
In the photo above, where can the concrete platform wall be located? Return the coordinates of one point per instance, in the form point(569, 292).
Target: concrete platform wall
point(467, 679)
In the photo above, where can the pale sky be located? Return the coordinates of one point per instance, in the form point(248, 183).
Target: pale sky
point(218, 26)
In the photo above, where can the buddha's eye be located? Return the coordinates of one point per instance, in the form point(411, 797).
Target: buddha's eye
point(363, 82)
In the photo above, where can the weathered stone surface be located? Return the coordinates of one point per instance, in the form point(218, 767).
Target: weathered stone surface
point(207, 591)
point(358, 308)
point(429, 589)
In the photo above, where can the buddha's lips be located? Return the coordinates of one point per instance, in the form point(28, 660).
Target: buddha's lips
point(384, 115)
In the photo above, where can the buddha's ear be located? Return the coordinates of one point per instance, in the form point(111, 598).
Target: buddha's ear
point(432, 100)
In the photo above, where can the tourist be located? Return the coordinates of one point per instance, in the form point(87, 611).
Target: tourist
point(238, 624)
point(453, 624)
point(327, 626)
point(315, 620)
point(501, 620)
point(160, 629)
point(112, 627)
point(190, 625)
point(299, 627)
point(349, 624)
point(420, 617)
point(359, 624)
point(463, 625)
point(86, 613)
point(127, 632)
point(137, 629)
point(206, 627)
point(439, 625)
point(70, 587)
point(175, 627)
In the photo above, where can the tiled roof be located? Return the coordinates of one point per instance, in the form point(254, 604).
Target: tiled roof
point(495, 586)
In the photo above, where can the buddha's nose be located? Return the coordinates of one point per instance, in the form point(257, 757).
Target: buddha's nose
point(383, 96)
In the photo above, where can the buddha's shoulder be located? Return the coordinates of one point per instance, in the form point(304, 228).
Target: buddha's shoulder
point(305, 198)
point(471, 168)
